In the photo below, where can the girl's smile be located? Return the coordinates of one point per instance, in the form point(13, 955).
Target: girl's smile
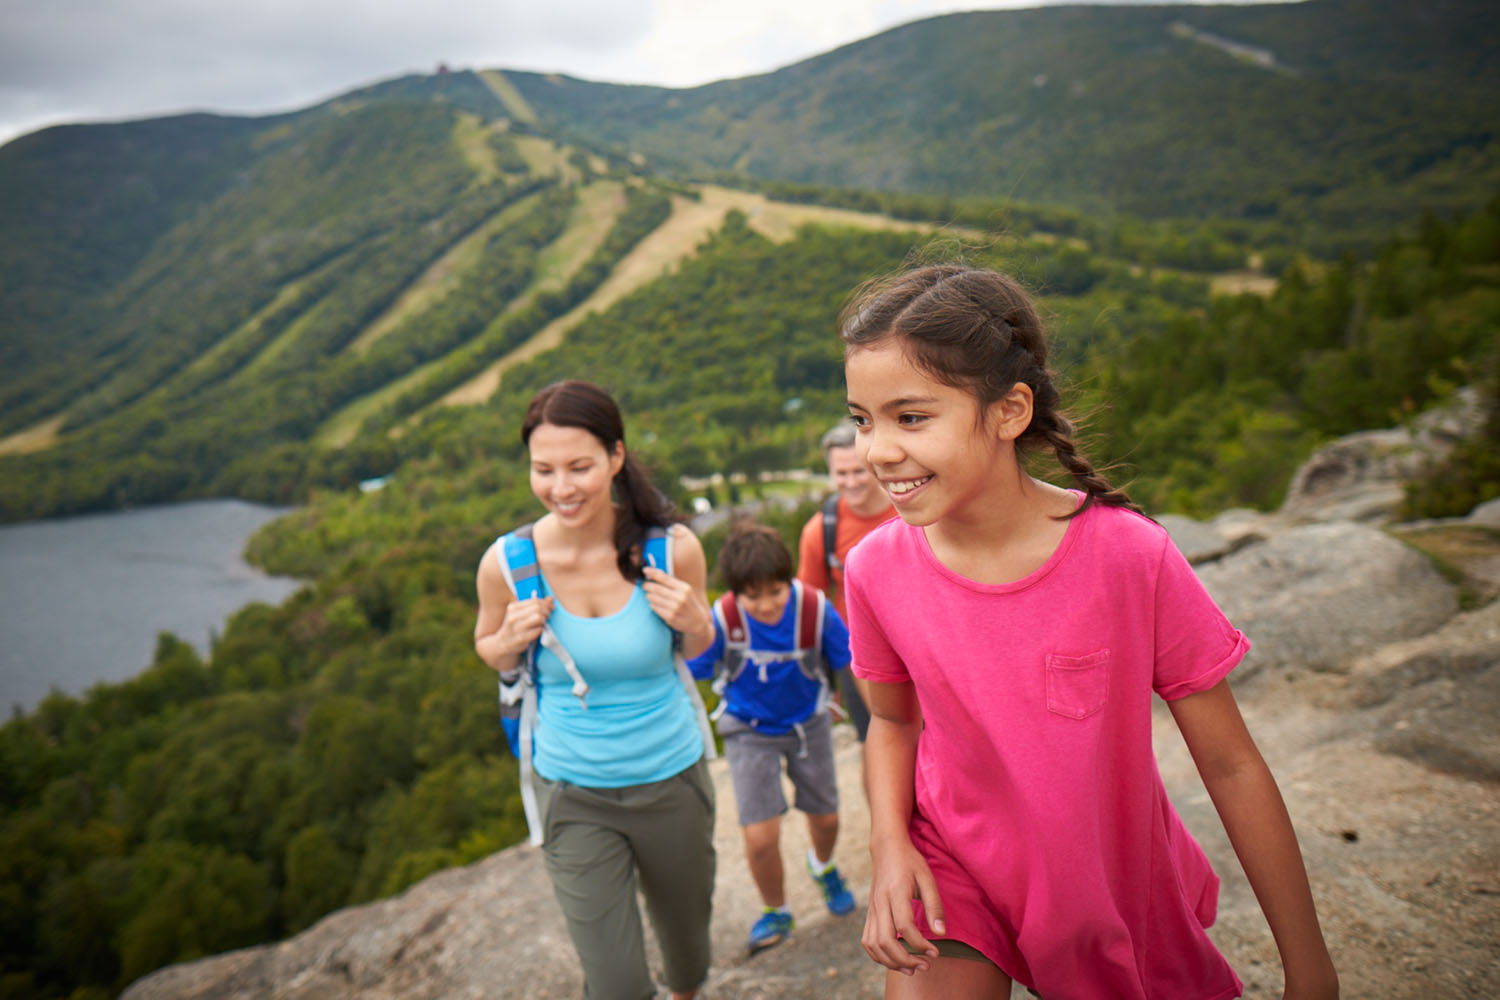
point(903, 486)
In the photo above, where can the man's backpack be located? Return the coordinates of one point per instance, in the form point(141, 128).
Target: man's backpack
point(830, 536)
point(811, 607)
point(518, 690)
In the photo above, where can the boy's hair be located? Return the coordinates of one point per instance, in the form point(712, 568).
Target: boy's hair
point(753, 554)
point(976, 330)
point(840, 435)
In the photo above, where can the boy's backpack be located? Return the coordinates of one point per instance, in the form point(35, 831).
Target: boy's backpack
point(518, 690)
point(811, 607)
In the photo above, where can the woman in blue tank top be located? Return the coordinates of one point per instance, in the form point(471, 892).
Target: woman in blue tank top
point(625, 799)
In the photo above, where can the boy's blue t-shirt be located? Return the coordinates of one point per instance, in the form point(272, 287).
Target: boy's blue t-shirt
point(772, 694)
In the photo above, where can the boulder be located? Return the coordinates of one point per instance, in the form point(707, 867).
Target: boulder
point(488, 930)
point(1449, 724)
point(1487, 514)
point(1362, 477)
point(1317, 595)
point(1199, 541)
point(1464, 647)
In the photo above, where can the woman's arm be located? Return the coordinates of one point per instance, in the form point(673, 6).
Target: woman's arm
point(1255, 817)
point(681, 598)
point(898, 873)
point(505, 626)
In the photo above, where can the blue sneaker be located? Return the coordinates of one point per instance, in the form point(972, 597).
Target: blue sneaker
point(771, 929)
point(835, 893)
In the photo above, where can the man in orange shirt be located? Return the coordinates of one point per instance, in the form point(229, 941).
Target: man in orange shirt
point(856, 507)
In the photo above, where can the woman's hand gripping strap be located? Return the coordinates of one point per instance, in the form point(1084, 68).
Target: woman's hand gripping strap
point(656, 552)
point(525, 580)
point(518, 687)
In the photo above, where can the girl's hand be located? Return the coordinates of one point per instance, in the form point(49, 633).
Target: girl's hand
point(899, 874)
point(523, 624)
point(676, 602)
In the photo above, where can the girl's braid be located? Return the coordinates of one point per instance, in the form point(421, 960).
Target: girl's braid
point(1057, 431)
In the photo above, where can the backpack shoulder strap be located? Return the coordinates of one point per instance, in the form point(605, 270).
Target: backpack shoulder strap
point(810, 611)
point(831, 532)
point(656, 549)
point(518, 562)
point(733, 620)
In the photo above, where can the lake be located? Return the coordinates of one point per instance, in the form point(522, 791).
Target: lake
point(83, 598)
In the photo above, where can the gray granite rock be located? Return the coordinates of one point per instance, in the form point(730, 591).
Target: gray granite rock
point(1487, 514)
point(1317, 595)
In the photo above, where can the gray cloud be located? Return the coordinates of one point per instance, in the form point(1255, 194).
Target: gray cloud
point(99, 59)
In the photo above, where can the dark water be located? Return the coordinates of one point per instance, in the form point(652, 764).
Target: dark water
point(82, 599)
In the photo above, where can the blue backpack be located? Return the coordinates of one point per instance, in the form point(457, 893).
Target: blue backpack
point(518, 689)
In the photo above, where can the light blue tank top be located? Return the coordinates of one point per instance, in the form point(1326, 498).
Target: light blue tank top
point(638, 726)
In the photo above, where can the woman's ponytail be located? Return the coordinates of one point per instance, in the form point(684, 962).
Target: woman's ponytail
point(641, 506)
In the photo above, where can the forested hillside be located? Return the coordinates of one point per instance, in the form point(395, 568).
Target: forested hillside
point(278, 308)
point(189, 302)
point(1328, 119)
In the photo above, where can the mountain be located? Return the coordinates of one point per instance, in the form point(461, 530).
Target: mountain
point(211, 305)
point(1324, 115)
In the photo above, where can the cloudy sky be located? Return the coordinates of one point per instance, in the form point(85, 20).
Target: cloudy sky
point(101, 60)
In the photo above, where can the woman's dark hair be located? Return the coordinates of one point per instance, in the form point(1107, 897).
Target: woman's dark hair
point(576, 403)
point(754, 553)
point(976, 330)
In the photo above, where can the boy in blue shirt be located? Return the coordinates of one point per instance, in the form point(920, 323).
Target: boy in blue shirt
point(775, 645)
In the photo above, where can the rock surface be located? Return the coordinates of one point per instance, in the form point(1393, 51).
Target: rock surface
point(1361, 477)
point(1373, 697)
point(1317, 595)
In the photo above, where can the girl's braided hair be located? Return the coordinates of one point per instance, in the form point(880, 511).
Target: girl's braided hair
point(976, 330)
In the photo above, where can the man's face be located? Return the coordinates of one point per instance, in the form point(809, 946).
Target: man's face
point(853, 481)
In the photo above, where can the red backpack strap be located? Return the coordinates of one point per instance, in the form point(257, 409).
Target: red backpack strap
point(734, 622)
point(809, 615)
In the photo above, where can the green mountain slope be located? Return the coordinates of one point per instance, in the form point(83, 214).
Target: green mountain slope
point(80, 205)
point(1342, 114)
point(207, 305)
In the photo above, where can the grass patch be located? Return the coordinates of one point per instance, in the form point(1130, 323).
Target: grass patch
point(508, 95)
point(37, 437)
point(444, 273)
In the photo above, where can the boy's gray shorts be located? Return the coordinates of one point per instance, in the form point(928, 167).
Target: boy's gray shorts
point(755, 767)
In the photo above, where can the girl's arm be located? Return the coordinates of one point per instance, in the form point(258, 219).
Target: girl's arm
point(1255, 817)
point(898, 873)
point(505, 626)
point(681, 598)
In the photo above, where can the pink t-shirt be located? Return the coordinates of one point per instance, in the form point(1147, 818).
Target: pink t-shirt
point(1039, 804)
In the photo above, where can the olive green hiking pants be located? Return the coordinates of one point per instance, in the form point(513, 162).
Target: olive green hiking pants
point(603, 843)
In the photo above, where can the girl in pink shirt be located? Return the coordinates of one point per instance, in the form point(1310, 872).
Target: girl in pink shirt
point(1014, 633)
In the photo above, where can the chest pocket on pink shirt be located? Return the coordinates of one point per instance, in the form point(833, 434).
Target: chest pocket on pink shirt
point(1077, 686)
